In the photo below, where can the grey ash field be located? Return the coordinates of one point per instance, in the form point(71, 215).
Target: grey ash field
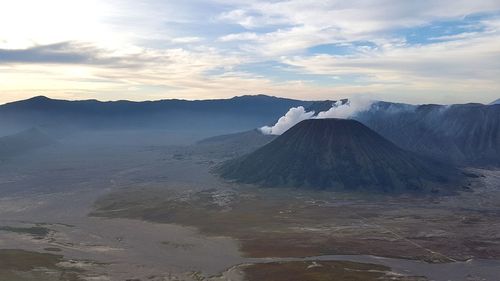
point(118, 209)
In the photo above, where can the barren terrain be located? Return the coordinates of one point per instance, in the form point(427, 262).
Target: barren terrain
point(158, 213)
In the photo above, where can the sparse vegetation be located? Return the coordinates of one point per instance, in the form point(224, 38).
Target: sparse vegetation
point(36, 231)
point(19, 265)
point(322, 271)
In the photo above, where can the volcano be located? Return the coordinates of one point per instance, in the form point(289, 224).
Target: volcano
point(342, 155)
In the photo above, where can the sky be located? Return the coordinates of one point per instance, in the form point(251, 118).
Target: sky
point(415, 51)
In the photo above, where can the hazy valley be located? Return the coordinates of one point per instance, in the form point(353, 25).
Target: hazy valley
point(88, 199)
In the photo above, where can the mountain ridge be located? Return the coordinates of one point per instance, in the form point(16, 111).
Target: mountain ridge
point(463, 134)
point(219, 115)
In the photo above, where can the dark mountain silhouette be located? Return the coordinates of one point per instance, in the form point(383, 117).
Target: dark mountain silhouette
point(464, 134)
point(23, 142)
point(223, 115)
point(338, 154)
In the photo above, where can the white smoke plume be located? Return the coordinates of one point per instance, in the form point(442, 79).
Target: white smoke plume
point(292, 117)
point(347, 110)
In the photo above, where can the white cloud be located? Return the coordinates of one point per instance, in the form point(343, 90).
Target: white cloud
point(309, 23)
point(245, 18)
point(186, 40)
point(245, 36)
point(469, 59)
point(356, 16)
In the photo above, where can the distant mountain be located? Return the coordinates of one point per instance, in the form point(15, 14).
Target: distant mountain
point(23, 142)
point(237, 143)
point(222, 115)
point(338, 154)
point(495, 102)
point(320, 106)
point(464, 134)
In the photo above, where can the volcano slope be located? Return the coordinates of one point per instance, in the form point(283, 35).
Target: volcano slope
point(23, 142)
point(340, 155)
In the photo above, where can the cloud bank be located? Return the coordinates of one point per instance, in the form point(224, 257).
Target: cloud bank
point(408, 51)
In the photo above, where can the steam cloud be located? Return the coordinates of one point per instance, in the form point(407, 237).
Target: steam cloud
point(292, 117)
point(338, 110)
point(346, 110)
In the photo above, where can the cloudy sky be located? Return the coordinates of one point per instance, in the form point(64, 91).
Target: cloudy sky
point(417, 51)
